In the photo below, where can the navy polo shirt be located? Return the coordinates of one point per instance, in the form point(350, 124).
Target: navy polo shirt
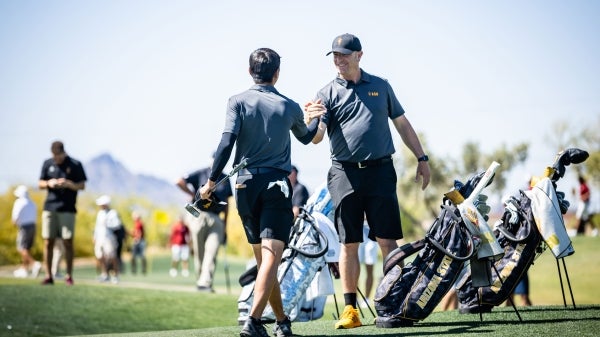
point(357, 117)
point(62, 199)
point(262, 118)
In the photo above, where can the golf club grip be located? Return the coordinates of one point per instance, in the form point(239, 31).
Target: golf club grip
point(235, 170)
point(489, 173)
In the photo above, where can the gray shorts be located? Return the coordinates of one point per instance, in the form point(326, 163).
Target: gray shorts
point(58, 225)
point(25, 237)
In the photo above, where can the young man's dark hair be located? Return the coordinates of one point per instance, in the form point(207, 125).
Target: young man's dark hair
point(264, 62)
point(57, 147)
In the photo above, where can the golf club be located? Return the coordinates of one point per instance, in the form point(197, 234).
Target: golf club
point(200, 204)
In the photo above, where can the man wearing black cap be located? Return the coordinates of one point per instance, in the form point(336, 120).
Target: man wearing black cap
point(258, 123)
point(356, 107)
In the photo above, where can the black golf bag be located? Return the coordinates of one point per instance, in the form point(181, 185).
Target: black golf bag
point(408, 294)
point(521, 242)
point(411, 293)
point(539, 225)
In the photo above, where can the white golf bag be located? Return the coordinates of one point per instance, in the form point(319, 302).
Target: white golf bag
point(303, 274)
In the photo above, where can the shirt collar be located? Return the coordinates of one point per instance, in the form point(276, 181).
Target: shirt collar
point(264, 88)
point(364, 77)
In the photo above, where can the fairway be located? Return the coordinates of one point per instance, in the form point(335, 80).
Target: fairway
point(159, 305)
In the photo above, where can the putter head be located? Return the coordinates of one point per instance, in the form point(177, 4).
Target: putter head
point(192, 210)
point(566, 158)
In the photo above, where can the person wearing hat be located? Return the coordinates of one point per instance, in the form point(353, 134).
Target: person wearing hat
point(207, 231)
point(105, 240)
point(63, 176)
point(356, 107)
point(24, 213)
point(258, 124)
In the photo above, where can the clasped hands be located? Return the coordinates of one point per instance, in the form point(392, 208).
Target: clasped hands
point(313, 109)
point(59, 183)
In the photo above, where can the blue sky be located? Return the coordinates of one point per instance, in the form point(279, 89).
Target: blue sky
point(148, 81)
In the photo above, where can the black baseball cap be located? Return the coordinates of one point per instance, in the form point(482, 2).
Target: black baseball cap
point(345, 44)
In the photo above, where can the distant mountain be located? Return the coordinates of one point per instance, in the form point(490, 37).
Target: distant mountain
point(108, 176)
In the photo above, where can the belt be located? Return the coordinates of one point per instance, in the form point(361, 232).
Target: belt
point(258, 170)
point(365, 163)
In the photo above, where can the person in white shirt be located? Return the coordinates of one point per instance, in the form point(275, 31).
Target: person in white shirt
point(24, 214)
point(105, 242)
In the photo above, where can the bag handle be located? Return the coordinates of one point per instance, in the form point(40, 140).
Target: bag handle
point(398, 255)
point(513, 238)
point(305, 216)
point(455, 221)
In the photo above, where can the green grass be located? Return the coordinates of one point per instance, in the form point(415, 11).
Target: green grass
point(158, 305)
point(584, 272)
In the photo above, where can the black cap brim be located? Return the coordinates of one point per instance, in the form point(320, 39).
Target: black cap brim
point(341, 51)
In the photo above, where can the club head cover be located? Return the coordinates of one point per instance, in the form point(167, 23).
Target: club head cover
point(212, 204)
point(466, 189)
point(562, 202)
point(566, 158)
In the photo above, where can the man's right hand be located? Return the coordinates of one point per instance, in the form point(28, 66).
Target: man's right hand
point(207, 189)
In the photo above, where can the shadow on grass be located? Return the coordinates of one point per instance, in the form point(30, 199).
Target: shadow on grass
point(463, 326)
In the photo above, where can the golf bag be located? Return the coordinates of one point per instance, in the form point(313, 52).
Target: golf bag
point(530, 223)
point(303, 274)
point(521, 242)
point(408, 294)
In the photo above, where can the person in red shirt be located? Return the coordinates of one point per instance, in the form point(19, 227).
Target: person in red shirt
point(583, 207)
point(180, 250)
point(139, 244)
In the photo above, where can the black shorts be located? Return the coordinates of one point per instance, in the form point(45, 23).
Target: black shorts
point(264, 203)
point(359, 192)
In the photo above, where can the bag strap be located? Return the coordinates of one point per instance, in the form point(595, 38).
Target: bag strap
point(455, 221)
point(398, 255)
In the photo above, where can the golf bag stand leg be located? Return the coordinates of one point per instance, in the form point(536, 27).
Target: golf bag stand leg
point(368, 304)
point(479, 300)
point(336, 308)
point(562, 288)
point(512, 303)
point(569, 283)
